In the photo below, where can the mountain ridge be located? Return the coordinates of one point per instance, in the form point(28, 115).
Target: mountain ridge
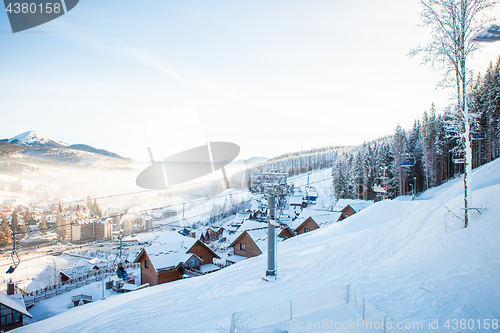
point(33, 138)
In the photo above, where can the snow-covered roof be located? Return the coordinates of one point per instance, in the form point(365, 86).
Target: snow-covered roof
point(73, 272)
point(356, 204)
point(235, 258)
point(321, 217)
point(259, 236)
point(15, 302)
point(296, 200)
point(247, 225)
point(209, 268)
point(173, 237)
point(163, 257)
point(240, 217)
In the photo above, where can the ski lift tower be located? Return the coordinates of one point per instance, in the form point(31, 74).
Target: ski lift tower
point(272, 184)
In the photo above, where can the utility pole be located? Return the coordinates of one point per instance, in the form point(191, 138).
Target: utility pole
point(272, 184)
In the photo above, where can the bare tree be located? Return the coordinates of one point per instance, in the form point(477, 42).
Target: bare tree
point(453, 23)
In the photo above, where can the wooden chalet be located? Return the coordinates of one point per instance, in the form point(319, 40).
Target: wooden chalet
point(250, 243)
point(298, 227)
point(286, 232)
point(297, 202)
point(169, 256)
point(12, 310)
point(160, 264)
point(258, 215)
point(307, 221)
point(346, 212)
point(211, 234)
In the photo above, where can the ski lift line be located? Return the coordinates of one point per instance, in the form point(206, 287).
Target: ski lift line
point(317, 181)
point(124, 194)
point(143, 211)
point(123, 235)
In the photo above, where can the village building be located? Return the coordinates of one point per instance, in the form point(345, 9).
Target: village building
point(346, 212)
point(356, 205)
point(9, 203)
point(297, 227)
point(171, 255)
point(249, 243)
point(297, 201)
point(212, 234)
point(307, 221)
point(91, 229)
point(12, 309)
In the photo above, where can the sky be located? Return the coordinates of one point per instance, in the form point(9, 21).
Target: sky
point(271, 76)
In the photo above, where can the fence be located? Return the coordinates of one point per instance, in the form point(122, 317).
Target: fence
point(371, 315)
point(62, 287)
point(256, 319)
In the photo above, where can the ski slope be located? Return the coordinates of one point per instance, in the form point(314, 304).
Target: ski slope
point(411, 260)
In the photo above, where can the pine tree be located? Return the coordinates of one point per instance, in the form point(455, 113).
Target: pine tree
point(15, 222)
point(43, 224)
point(399, 151)
point(97, 212)
point(6, 236)
point(27, 217)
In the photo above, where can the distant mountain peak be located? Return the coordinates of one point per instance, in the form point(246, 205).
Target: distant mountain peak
point(34, 138)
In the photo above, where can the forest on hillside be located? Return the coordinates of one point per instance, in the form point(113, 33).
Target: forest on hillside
point(428, 154)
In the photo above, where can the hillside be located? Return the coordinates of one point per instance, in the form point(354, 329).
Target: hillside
point(35, 144)
point(411, 260)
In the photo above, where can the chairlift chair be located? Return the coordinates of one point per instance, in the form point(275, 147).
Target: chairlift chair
point(479, 136)
point(408, 160)
point(120, 270)
point(379, 188)
point(311, 193)
point(15, 257)
point(458, 158)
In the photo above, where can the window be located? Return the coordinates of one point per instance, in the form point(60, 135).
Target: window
point(242, 246)
point(146, 263)
point(8, 316)
point(306, 230)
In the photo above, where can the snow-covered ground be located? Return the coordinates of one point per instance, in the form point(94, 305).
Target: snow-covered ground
point(411, 260)
point(58, 304)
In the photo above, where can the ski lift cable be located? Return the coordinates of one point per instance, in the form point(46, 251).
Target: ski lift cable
point(137, 212)
point(123, 194)
point(145, 210)
point(123, 235)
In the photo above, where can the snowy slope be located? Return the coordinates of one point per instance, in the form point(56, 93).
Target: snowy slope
point(410, 259)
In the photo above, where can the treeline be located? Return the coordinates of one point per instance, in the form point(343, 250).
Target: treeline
point(429, 153)
point(291, 163)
